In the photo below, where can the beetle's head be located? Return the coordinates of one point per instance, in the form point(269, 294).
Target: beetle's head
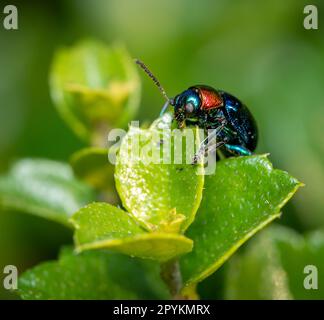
point(186, 106)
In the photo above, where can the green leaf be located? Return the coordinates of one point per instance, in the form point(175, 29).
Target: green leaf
point(102, 226)
point(243, 196)
point(272, 267)
point(45, 188)
point(160, 196)
point(93, 275)
point(95, 88)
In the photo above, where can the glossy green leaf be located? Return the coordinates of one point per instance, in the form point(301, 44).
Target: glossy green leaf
point(161, 196)
point(95, 88)
point(243, 196)
point(93, 275)
point(45, 188)
point(102, 226)
point(273, 266)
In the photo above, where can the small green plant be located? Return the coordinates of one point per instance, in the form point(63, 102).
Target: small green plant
point(174, 227)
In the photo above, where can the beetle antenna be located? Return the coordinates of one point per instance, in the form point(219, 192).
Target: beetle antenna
point(154, 79)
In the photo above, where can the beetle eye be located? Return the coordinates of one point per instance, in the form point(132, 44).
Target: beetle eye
point(189, 107)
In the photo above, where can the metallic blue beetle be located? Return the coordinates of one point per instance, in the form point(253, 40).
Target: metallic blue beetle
point(221, 115)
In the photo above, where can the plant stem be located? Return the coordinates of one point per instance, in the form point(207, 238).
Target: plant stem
point(171, 275)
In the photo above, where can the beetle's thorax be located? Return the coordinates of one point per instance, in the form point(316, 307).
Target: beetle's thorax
point(209, 97)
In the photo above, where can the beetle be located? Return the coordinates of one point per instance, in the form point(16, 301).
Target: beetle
point(220, 114)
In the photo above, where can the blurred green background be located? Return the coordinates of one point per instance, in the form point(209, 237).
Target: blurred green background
point(257, 50)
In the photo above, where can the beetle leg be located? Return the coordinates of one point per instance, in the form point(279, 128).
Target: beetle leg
point(208, 142)
point(237, 150)
point(208, 148)
point(215, 146)
point(210, 139)
point(211, 136)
